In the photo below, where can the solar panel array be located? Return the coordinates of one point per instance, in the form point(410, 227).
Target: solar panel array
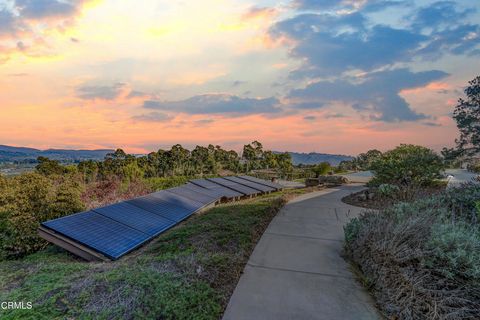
point(119, 228)
point(235, 186)
point(250, 184)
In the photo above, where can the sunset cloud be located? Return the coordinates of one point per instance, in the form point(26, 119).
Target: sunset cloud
point(100, 92)
point(334, 76)
point(153, 117)
point(217, 104)
point(377, 95)
point(260, 13)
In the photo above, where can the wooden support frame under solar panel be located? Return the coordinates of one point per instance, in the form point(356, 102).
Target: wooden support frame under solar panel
point(72, 246)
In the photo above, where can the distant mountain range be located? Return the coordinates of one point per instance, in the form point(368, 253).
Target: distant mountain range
point(314, 158)
point(11, 154)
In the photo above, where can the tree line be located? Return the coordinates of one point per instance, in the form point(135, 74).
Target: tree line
point(177, 161)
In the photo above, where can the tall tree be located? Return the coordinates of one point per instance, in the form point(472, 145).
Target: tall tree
point(48, 167)
point(467, 116)
point(88, 169)
point(365, 160)
point(253, 153)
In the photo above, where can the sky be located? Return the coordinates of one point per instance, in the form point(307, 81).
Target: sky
point(334, 76)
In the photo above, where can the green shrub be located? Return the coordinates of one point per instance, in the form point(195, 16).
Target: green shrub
point(407, 165)
point(462, 202)
point(455, 250)
point(26, 201)
point(322, 169)
point(387, 190)
point(351, 230)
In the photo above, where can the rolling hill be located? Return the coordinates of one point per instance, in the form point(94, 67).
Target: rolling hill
point(314, 158)
point(11, 154)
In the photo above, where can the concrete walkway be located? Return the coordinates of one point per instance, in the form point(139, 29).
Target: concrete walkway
point(296, 270)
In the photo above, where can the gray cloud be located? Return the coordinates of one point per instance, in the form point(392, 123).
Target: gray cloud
point(217, 104)
point(334, 116)
point(431, 124)
point(438, 14)
point(308, 105)
point(8, 23)
point(21, 46)
point(92, 92)
point(136, 94)
point(237, 83)
point(371, 5)
point(153, 117)
point(203, 122)
point(309, 118)
point(327, 50)
point(38, 9)
point(315, 4)
point(378, 95)
point(460, 40)
point(328, 44)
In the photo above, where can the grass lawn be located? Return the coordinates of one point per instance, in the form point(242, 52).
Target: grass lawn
point(189, 272)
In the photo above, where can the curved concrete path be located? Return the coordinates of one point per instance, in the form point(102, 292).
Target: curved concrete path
point(296, 270)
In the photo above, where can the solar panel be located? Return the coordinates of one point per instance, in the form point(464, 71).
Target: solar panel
point(194, 195)
point(136, 218)
point(235, 186)
point(161, 207)
point(98, 232)
point(212, 192)
point(261, 181)
point(250, 184)
point(215, 186)
point(178, 200)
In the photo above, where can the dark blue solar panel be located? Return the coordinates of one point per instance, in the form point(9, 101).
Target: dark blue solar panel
point(235, 186)
point(229, 193)
point(162, 207)
point(194, 195)
point(136, 218)
point(178, 200)
point(209, 192)
point(261, 181)
point(250, 184)
point(98, 232)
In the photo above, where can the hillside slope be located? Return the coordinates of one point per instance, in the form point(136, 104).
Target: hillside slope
point(9, 153)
